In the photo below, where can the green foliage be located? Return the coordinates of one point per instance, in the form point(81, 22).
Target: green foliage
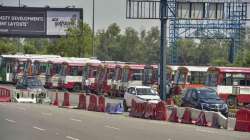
point(128, 45)
point(7, 46)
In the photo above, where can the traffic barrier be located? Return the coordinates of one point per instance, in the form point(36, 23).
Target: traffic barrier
point(150, 111)
point(201, 120)
point(66, 100)
point(55, 102)
point(132, 111)
point(215, 121)
point(141, 109)
point(5, 95)
point(114, 108)
point(173, 116)
point(161, 111)
point(82, 101)
point(186, 118)
point(170, 101)
point(243, 120)
point(101, 104)
point(92, 103)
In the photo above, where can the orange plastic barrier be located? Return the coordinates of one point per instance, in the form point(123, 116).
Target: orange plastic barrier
point(5, 95)
point(149, 111)
point(161, 111)
point(82, 101)
point(133, 108)
point(55, 102)
point(66, 100)
point(101, 104)
point(174, 117)
point(243, 120)
point(170, 101)
point(92, 103)
point(186, 118)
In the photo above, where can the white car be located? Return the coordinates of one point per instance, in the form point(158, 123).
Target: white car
point(140, 94)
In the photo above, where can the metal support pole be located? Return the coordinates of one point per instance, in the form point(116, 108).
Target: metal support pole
point(18, 40)
point(232, 51)
point(163, 51)
point(93, 29)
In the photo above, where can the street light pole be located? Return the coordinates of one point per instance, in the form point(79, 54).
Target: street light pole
point(163, 43)
point(93, 29)
point(18, 40)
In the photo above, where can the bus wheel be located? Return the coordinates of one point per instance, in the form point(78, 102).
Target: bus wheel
point(232, 102)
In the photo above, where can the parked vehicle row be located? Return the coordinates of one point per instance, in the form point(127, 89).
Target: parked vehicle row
point(113, 78)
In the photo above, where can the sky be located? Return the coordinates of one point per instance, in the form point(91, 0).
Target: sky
point(106, 12)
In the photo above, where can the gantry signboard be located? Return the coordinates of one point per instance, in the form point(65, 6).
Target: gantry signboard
point(38, 22)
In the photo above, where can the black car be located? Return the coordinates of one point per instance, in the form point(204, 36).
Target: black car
point(204, 99)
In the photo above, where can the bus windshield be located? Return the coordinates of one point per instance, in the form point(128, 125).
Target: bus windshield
point(211, 79)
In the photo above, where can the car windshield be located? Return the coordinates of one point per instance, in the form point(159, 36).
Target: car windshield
point(33, 82)
point(207, 94)
point(145, 91)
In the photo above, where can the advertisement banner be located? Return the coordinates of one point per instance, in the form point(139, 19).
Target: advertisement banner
point(38, 21)
point(58, 22)
point(15, 22)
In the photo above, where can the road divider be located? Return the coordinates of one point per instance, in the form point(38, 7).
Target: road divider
point(82, 101)
point(243, 120)
point(92, 103)
point(66, 100)
point(56, 102)
point(5, 95)
point(161, 111)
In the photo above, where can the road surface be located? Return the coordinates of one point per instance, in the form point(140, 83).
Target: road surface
point(44, 122)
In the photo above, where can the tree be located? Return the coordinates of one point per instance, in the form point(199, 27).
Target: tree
point(108, 42)
point(77, 43)
point(7, 46)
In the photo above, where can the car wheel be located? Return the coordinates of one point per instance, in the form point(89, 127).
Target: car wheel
point(125, 106)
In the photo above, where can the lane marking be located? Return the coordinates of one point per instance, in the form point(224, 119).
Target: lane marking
point(47, 114)
point(206, 131)
point(72, 119)
point(21, 108)
point(111, 127)
point(11, 121)
point(71, 138)
point(40, 129)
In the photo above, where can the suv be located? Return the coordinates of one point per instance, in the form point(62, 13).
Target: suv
point(204, 99)
point(140, 94)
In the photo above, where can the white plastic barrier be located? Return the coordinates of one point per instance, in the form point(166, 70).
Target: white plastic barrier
point(222, 120)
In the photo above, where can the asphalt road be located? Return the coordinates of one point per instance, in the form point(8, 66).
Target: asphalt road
point(43, 122)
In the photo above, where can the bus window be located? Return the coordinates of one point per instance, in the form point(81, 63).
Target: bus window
point(211, 79)
point(239, 79)
point(125, 75)
point(148, 73)
point(137, 75)
point(180, 78)
point(197, 77)
point(227, 81)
